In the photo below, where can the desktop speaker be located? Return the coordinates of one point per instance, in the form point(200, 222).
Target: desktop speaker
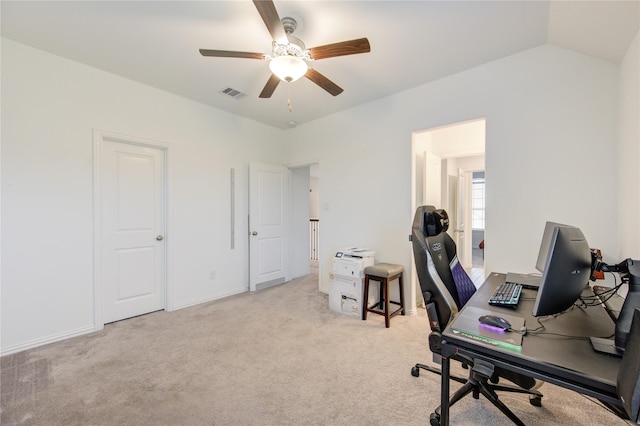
point(628, 386)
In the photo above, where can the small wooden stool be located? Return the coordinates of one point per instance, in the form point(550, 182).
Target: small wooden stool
point(383, 273)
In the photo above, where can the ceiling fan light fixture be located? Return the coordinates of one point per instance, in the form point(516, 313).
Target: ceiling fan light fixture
point(288, 68)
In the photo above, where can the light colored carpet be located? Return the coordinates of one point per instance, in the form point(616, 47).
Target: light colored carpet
point(275, 357)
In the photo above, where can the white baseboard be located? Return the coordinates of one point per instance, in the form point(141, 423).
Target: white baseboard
point(8, 350)
point(218, 296)
point(46, 340)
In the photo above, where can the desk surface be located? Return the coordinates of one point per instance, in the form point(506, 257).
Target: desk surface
point(568, 362)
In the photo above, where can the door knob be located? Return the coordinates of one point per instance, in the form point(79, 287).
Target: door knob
point(254, 233)
point(159, 238)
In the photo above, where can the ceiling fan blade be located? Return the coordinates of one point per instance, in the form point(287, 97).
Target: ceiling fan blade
point(323, 82)
point(351, 47)
point(269, 14)
point(231, 54)
point(270, 87)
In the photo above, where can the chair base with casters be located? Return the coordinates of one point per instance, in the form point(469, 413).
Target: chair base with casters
point(482, 379)
point(434, 344)
point(415, 372)
point(478, 383)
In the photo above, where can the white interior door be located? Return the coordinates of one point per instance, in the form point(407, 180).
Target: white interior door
point(452, 208)
point(268, 186)
point(432, 180)
point(463, 241)
point(132, 266)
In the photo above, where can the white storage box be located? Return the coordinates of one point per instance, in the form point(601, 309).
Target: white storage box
point(345, 296)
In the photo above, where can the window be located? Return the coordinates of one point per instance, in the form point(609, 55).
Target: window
point(477, 201)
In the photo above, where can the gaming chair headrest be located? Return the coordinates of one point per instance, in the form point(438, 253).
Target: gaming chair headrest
point(435, 221)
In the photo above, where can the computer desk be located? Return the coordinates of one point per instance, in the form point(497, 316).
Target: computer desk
point(566, 362)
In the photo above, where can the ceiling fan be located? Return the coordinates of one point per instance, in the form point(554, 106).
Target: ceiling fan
point(289, 56)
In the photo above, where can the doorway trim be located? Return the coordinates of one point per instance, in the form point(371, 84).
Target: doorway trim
point(99, 137)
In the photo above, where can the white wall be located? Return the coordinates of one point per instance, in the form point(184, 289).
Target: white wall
point(548, 111)
point(549, 115)
point(314, 199)
point(50, 107)
point(629, 156)
point(557, 152)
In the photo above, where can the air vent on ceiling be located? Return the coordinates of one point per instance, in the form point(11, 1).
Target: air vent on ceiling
point(235, 94)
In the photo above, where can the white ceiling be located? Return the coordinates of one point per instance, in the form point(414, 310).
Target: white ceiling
point(412, 43)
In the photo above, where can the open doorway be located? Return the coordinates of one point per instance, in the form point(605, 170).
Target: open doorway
point(443, 166)
point(305, 220)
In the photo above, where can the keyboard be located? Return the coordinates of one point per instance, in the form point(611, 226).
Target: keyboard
point(506, 295)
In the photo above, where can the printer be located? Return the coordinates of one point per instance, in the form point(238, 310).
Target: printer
point(347, 280)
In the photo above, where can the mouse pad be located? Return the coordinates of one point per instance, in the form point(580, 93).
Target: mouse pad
point(466, 323)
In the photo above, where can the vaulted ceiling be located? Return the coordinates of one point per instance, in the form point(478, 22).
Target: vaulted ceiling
point(412, 43)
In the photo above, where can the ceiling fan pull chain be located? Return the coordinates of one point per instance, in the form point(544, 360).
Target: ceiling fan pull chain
point(289, 97)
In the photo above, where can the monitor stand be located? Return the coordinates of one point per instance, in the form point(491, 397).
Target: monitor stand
point(606, 346)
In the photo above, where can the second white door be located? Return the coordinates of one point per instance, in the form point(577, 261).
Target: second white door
point(268, 186)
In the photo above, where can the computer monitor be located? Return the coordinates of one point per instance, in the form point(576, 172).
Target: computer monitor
point(566, 270)
point(545, 244)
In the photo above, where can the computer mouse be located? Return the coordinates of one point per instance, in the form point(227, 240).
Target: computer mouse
point(495, 321)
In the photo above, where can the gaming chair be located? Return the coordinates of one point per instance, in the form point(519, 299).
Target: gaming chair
point(446, 288)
